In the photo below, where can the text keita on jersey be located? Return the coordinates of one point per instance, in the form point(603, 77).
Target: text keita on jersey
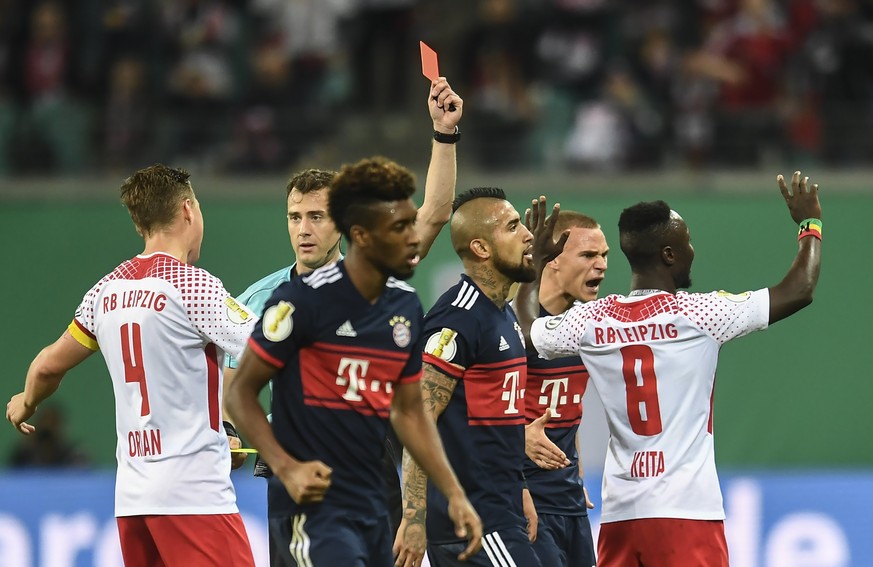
point(647, 463)
point(635, 334)
point(135, 298)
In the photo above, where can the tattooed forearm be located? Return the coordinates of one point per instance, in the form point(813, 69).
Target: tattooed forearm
point(414, 489)
point(436, 391)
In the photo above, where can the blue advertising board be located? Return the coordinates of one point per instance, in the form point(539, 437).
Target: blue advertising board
point(774, 520)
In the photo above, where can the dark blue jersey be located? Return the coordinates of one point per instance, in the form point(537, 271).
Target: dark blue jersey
point(339, 358)
point(482, 427)
point(558, 384)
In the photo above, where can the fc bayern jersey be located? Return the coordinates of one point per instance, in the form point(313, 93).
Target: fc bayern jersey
point(256, 295)
point(480, 345)
point(339, 360)
point(559, 385)
point(163, 328)
point(652, 359)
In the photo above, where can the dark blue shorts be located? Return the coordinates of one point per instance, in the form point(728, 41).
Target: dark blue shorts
point(330, 539)
point(503, 548)
point(564, 541)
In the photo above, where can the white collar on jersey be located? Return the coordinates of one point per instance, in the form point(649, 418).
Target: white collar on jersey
point(639, 292)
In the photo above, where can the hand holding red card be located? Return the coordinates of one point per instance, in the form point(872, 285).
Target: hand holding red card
point(430, 67)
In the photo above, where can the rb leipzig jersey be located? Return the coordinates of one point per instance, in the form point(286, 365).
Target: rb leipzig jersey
point(163, 328)
point(652, 358)
point(339, 360)
point(482, 427)
point(559, 385)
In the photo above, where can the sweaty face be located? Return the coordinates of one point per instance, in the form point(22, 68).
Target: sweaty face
point(581, 266)
point(512, 245)
point(314, 237)
point(394, 238)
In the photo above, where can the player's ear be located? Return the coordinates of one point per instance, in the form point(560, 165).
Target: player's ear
point(359, 236)
point(553, 263)
point(480, 248)
point(187, 211)
point(667, 255)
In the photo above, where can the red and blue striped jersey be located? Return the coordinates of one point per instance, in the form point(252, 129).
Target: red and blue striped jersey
point(339, 359)
point(470, 339)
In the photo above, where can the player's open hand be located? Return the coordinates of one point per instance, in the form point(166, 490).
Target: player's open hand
point(802, 199)
point(17, 412)
point(539, 448)
point(545, 248)
point(445, 106)
point(467, 524)
point(410, 542)
point(307, 482)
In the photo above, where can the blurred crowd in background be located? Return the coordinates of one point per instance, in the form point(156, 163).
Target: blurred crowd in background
point(252, 86)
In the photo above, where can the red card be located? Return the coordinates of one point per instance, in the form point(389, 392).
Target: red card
point(430, 68)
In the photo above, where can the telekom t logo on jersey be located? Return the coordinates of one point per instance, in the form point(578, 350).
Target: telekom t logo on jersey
point(352, 373)
point(511, 392)
point(557, 396)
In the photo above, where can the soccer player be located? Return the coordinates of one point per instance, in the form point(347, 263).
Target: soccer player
point(340, 347)
point(555, 389)
point(315, 241)
point(163, 327)
point(652, 357)
point(472, 386)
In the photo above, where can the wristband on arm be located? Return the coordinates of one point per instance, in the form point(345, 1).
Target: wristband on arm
point(809, 227)
point(229, 429)
point(447, 138)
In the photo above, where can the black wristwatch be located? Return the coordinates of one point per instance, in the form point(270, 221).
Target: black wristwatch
point(447, 138)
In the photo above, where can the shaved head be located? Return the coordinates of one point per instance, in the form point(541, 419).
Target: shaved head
point(474, 219)
point(474, 216)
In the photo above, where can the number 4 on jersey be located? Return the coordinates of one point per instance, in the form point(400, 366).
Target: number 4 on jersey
point(131, 351)
point(643, 409)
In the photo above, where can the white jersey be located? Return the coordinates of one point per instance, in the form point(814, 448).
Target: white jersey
point(652, 359)
point(163, 328)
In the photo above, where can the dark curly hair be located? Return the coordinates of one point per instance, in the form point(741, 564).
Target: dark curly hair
point(152, 196)
point(642, 229)
point(359, 186)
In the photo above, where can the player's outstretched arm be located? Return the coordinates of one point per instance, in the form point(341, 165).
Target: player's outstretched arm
point(545, 249)
point(795, 290)
point(306, 482)
point(43, 377)
point(442, 173)
point(414, 412)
